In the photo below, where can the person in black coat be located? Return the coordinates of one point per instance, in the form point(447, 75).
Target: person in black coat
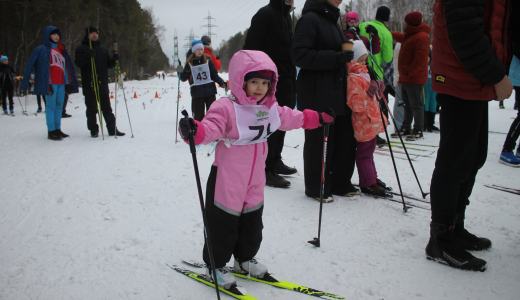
point(91, 48)
point(6, 84)
point(271, 32)
point(321, 85)
point(202, 80)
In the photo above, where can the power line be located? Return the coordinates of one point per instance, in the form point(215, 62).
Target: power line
point(227, 25)
point(219, 10)
point(225, 9)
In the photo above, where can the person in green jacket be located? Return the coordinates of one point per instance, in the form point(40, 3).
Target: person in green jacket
point(387, 50)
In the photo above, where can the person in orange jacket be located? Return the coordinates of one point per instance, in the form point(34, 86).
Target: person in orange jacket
point(206, 41)
point(413, 71)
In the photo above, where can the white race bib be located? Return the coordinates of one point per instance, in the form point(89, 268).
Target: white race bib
point(201, 74)
point(255, 123)
point(57, 59)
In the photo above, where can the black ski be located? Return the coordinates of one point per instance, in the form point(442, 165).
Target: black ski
point(503, 189)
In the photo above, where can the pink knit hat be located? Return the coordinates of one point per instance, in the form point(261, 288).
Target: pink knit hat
point(351, 16)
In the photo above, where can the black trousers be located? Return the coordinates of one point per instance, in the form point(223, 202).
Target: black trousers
point(462, 152)
point(64, 111)
point(239, 236)
point(340, 161)
point(276, 140)
point(106, 109)
point(7, 91)
point(199, 106)
point(39, 100)
point(514, 131)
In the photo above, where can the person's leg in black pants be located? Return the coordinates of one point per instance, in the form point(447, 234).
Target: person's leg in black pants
point(343, 157)
point(64, 111)
point(462, 152)
point(92, 111)
point(106, 109)
point(514, 130)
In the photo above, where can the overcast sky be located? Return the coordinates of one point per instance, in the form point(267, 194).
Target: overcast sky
point(231, 16)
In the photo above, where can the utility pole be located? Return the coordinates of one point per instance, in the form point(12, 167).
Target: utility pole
point(175, 49)
point(209, 25)
point(190, 39)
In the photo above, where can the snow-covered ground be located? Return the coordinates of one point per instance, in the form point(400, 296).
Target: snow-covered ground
point(90, 218)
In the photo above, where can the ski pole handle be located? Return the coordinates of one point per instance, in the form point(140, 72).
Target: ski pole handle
point(191, 140)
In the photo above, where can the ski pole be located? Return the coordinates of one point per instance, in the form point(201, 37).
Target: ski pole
point(115, 91)
point(207, 237)
point(316, 241)
point(405, 208)
point(95, 85)
point(21, 105)
point(126, 104)
point(393, 120)
point(178, 95)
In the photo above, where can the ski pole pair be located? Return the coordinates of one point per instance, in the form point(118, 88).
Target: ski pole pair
point(118, 77)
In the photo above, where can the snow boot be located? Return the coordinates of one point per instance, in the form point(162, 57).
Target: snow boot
point(327, 198)
point(275, 180)
point(5, 112)
point(467, 240)
point(351, 191)
point(382, 184)
point(251, 267)
point(507, 158)
point(381, 142)
point(416, 135)
point(282, 169)
point(444, 248)
point(39, 110)
point(403, 132)
point(376, 191)
point(224, 277)
point(65, 115)
point(60, 133)
point(94, 133)
point(51, 135)
point(118, 133)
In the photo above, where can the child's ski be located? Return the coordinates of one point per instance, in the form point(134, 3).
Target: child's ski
point(512, 191)
point(234, 292)
point(268, 279)
point(388, 154)
point(399, 151)
point(415, 144)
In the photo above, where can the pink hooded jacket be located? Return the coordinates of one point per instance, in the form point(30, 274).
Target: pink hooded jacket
point(240, 179)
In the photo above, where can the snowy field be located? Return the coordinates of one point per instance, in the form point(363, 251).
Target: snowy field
point(90, 218)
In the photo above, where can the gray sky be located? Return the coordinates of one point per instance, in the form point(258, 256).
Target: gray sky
point(231, 16)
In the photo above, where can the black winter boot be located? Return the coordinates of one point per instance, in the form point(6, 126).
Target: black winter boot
point(444, 248)
point(275, 180)
point(467, 240)
point(118, 133)
point(60, 133)
point(376, 191)
point(51, 135)
point(283, 169)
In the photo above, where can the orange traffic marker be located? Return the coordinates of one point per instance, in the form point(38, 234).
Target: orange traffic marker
point(135, 94)
point(156, 95)
point(112, 95)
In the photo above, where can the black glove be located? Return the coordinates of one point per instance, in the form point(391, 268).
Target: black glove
point(225, 86)
point(116, 56)
point(352, 30)
point(69, 89)
point(371, 30)
point(344, 56)
point(51, 89)
point(91, 53)
point(184, 125)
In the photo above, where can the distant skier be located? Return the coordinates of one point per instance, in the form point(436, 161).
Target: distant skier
point(6, 75)
point(235, 190)
point(201, 73)
point(54, 74)
point(163, 76)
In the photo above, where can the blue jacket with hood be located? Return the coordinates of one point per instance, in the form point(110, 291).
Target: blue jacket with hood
point(39, 61)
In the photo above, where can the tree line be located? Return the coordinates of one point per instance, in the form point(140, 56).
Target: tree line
point(366, 10)
point(135, 29)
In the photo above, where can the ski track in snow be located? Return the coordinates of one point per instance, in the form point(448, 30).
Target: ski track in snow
point(97, 219)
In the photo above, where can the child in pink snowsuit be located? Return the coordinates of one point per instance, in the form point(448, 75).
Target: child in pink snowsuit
point(366, 119)
point(242, 122)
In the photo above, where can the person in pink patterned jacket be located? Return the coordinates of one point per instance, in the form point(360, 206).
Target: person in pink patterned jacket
point(362, 94)
point(242, 122)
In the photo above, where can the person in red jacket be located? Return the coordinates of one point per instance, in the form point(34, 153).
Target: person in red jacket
point(206, 41)
point(413, 71)
point(471, 52)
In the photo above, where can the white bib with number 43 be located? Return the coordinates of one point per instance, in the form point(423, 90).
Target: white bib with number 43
point(201, 74)
point(255, 123)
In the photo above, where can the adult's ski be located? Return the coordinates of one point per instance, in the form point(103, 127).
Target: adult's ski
point(234, 292)
point(270, 280)
point(415, 144)
point(503, 189)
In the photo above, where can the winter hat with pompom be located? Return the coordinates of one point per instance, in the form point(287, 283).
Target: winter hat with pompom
point(196, 44)
point(351, 16)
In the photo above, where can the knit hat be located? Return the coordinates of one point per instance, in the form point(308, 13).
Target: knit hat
point(413, 19)
point(351, 16)
point(263, 74)
point(91, 29)
point(359, 49)
point(206, 40)
point(383, 13)
point(4, 58)
point(55, 31)
point(196, 44)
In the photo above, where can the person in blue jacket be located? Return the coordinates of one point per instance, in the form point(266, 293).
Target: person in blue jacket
point(53, 74)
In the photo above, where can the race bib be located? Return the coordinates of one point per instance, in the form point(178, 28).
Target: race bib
point(57, 59)
point(255, 123)
point(201, 74)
